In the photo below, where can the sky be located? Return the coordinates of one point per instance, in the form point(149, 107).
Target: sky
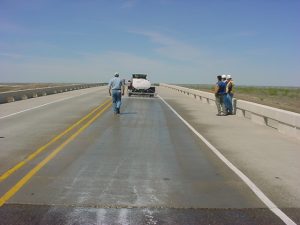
point(257, 42)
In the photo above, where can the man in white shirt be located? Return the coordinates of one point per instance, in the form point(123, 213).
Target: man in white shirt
point(116, 90)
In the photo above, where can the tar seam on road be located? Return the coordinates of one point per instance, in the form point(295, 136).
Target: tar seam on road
point(39, 106)
point(30, 157)
point(12, 191)
point(247, 181)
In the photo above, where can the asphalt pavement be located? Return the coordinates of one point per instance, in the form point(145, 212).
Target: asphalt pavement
point(144, 166)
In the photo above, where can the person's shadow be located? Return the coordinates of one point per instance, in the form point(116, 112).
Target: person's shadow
point(128, 113)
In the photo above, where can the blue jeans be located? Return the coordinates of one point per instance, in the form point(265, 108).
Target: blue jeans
point(228, 102)
point(116, 99)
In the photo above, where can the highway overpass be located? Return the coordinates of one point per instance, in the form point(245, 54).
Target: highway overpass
point(67, 159)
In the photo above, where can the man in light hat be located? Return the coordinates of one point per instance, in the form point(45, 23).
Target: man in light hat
point(229, 95)
point(224, 78)
point(220, 91)
point(116, 90)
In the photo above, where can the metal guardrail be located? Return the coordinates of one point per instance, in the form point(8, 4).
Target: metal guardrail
point(284, 121)
point(11, 96)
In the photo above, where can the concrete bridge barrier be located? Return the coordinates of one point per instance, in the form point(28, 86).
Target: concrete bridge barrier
point(11, 96)
point(285, 122)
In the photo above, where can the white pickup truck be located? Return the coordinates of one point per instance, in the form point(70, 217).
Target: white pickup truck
point(139, 85)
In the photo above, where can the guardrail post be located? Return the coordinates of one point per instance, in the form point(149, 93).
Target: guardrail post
point(234, 101)
point(259, 119)
point(240, 112)
point(24, 97)
point(10, 99)
point(287, 129)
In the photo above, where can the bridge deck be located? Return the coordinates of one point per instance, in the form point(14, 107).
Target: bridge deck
point(143, 166)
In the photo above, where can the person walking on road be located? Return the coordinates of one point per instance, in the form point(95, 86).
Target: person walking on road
point(116, 90)
point(229, 94)
point(220, 91)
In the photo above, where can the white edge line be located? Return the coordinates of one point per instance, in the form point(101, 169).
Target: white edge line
point(248, 182)
point(49, 103)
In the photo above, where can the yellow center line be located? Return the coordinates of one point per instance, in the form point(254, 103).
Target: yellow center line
point(11, 192)
point(12, 170)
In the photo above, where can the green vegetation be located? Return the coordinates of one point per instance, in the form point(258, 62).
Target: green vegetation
point(271, 91)
point(292, 92)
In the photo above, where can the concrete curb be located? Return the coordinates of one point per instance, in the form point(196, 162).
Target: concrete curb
point(11, 96)
point(284, 121)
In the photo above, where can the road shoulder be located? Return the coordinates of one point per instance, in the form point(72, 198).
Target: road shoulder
point(267, 157)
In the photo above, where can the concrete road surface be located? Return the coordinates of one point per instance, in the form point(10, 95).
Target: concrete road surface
point(75, 162)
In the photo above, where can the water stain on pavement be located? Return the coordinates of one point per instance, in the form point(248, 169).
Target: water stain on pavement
point(15, 214)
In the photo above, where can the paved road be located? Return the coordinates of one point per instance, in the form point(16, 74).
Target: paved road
point(141, 167)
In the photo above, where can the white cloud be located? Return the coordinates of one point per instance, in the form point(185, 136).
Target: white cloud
point(101, 67)
point(8, 26)
point(11, 55)
point(179, 62)
point(237, 35)
point(129, 3)
point(171, 48)
point(90, 68)
point(246, 33)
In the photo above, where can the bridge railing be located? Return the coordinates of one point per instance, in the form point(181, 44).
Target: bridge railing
point(285, 122)
point(11, 96)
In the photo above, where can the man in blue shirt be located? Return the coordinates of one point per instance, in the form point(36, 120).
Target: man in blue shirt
point(220, 91)
point(116, 90)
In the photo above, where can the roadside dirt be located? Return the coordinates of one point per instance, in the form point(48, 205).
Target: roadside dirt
point(281, 102)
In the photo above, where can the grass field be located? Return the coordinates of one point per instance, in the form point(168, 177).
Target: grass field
point(287, 98)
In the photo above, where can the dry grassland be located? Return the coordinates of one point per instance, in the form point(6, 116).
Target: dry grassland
point(286, 98)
